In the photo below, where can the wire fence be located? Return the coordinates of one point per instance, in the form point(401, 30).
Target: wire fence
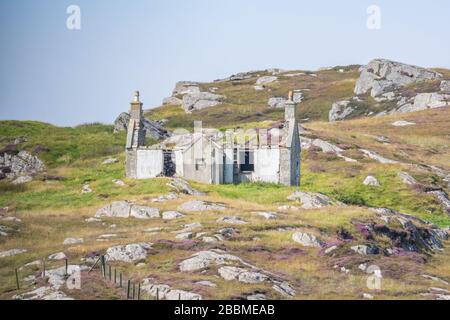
point(110, 274)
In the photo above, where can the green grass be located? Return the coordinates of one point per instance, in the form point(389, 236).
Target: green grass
point(65, 144)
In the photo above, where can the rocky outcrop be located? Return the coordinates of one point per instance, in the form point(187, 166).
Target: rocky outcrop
point(153, 129)
point(201, 100)
point(277, 102)
point(14, 164)
point(12, 252)
point(414, 235)
point(185, 87)
point(443, 199)
point(340, 110)
point(407, 178)
point(325, 146)
point(231, 220)
point(381, 76)
point(366, 249)
point(423, 101)
point(306, 239)
point(173, 101)
point(445, 86)
point(197, 205)
point(170, 215)
point(266, 80)
point(128, 253)
point(165, 292)
point(375, 156)
point(310, 200)
point(182, 186)
point(402, 123)
point(57, 256)
point(232, 267)
point(125, 209)
point(72, 241)
point(267, 215)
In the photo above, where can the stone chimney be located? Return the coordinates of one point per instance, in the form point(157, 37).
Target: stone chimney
point(136, 131)
point(290, 109)
point(136, 107)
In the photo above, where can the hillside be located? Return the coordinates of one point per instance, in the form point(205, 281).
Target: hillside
point(372, 195)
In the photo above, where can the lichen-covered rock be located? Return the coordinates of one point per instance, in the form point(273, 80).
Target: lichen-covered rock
point(445, 86)
point(128, 253)
point(201, 100)
point(204, 259)
point(266, 80)
point(375, 156)
point(165, 292)
point(197, 205)
point(185, 87)
point(72, 241)
point(22, 180)
point(173, 101)
point(57, 256)
point(16, 164)
point(241, 274)
point(310, 200)
point(143, 212)
point(340, 110)
point(371, 181)
point(43, 293)
point(231, 220)
point(366, 249)
point(277, 102)
point(306, 239)
point(407, 178)
point(110, 161)
point(12, 252)
point(415, 234)
point(125, 209)
point(423, 101)
point(182, 186)
point(443, 199)
point(117, 209)
point(170, 215)
point(266, 214)
point(402, 123)
point(381, 76)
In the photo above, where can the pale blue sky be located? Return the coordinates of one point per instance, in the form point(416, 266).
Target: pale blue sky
point(51, 74)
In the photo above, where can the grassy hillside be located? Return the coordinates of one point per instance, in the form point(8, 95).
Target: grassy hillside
point(65, 145)
point(244, 104)
point(51, 211)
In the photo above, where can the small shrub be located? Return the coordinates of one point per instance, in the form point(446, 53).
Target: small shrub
point(351, 199)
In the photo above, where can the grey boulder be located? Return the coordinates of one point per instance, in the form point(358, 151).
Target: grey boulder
point(381, 76)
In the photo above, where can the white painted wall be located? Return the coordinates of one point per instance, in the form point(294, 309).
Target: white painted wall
point(228, 166)
point(150, 163)
point(179, 162)
point(267, 164)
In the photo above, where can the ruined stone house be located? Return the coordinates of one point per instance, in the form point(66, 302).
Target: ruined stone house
point(214, 157)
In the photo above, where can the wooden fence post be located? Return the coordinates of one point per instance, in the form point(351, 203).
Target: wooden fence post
point(109, 271)
point(43, 265)
point(134, 290)
point(157, 293)
point(120, 279)
point(67, 267)
point(17, 279)
point(115, 276)
point(128, 289)
point(139, 291)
